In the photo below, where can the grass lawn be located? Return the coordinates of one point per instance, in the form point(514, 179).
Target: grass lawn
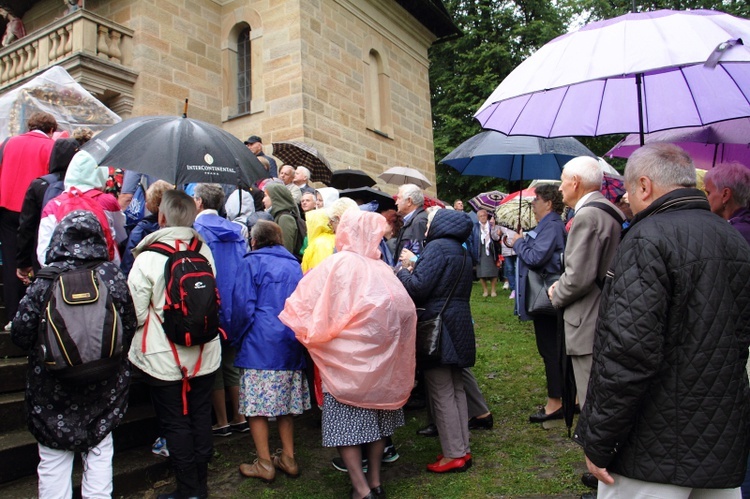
point(514, 459)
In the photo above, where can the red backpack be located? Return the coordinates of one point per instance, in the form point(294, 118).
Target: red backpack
point(74, 199)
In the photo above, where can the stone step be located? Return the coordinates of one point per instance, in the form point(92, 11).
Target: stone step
point(18, 448)
point(12, 412)
point(13, 374)
point(7, 348)
point(134, 470)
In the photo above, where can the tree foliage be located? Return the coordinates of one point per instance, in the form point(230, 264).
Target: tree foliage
point(497, 36)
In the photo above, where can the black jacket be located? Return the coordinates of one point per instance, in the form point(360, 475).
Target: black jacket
point(411, 235)
point(668, 399)
point(31, 210)
point(433, 277)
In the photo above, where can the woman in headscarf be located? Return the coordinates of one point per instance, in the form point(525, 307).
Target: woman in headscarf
point(358, 324)
point(70, 418)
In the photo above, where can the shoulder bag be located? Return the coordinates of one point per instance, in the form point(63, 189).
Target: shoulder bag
point(537, 298)
point(429, 332)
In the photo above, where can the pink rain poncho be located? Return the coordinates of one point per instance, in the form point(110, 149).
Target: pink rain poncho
point(356, 319)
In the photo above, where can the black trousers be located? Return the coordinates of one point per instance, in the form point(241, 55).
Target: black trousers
point(13, 288)
point(545, 330)
point(189, 437)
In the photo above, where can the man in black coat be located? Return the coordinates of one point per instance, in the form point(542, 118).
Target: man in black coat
point(668, 407)
point(410, 205)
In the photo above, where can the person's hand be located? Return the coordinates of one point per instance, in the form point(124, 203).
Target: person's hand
point(600, 473)
point(551, 290)
point(406, 256)
point(25, 274)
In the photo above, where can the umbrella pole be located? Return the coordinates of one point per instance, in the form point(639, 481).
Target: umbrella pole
point(638, 84)
point(184, 109)
point(520, 194)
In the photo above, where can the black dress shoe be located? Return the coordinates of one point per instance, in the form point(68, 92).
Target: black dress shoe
point(378, 492)
point(428, 431)
point(541, 416)
point(590, 481)
point(484, 423)
point(588, 495)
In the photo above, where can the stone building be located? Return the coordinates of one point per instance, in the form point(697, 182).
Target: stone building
point(349, 77)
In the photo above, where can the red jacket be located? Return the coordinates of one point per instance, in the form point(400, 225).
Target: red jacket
point(24, 158)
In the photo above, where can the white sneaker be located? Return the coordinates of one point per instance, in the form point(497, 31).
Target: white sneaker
point(8, 326)
point(512, 295)
point(506, 285)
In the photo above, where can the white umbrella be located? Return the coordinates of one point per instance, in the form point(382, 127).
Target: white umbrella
point(400, 175)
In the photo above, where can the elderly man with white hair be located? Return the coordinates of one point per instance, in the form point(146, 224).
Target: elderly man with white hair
point(410, 205)
point(592, 242)
point(301, 178)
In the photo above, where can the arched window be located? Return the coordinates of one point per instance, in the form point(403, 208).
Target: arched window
point(378, 95)
point(244, 72)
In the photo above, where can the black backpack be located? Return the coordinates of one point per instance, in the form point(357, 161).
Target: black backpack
point(191, 307)
point(301, 232)
point(80, 331)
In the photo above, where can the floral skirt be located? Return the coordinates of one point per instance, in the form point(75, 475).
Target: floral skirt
point(273, 393)
point(346, 425)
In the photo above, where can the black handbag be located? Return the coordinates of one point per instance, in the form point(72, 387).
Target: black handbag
point(430, 331)
point(537, 297)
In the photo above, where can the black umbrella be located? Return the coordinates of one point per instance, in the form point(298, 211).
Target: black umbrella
point(301, 154)
point(569, 391)
point(179, 150)
point(351, 179)
point(367, 194)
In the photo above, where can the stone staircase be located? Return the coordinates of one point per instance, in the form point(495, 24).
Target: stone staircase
point(134, 465)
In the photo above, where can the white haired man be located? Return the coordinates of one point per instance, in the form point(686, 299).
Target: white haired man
point(410, 205)
point(301, 178)
point(666, 413)
point(592, 241)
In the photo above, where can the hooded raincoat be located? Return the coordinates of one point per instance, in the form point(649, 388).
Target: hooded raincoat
point(86, 177)
point(60, 415)
point(320, 239)
point(356, 319)
point(282, 208)
point(228, 246)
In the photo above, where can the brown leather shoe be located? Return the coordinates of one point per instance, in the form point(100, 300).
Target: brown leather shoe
point(261, 468)
point(286, 464)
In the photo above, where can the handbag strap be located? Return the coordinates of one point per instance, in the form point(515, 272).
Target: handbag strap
point(455, 283)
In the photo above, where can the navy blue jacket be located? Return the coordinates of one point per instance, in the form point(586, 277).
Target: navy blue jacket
point(542, 253)
point(433, 277)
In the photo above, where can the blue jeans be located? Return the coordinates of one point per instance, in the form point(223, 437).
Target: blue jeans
point(509, 271)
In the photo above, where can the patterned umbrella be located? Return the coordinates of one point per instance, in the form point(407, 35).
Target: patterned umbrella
point(301, 154)
point(487, 200)
point(612, 187)
point(507, 214)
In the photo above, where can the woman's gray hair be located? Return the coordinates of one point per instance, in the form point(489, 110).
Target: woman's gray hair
point(667, 165)
point(178, 208)
point(587, 169)
point(732, 176)
point(212, 196)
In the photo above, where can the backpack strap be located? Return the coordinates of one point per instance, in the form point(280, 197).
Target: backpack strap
point(613, 213)
point(185, 376)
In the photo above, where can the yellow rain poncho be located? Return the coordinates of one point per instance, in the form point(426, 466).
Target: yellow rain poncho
point(320, 239)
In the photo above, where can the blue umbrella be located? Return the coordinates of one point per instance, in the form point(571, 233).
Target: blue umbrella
point(518, 157)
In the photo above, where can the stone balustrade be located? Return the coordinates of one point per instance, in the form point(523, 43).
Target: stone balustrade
point(81, 32)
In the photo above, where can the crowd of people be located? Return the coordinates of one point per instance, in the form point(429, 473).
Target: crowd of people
point(242, 307)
